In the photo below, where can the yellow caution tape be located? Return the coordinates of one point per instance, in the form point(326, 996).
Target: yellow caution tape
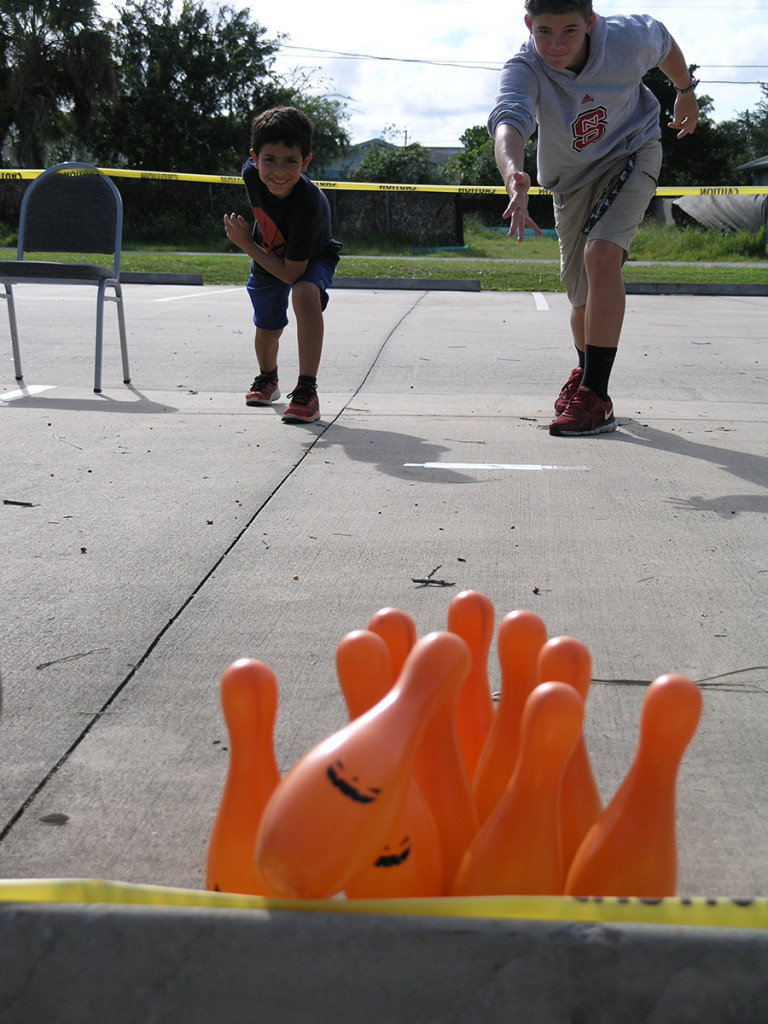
point(369, 186)
point(713, 190)
point(122, 172)
point(697, 911)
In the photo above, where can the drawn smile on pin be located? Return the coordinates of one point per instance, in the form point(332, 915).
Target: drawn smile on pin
point(393, 860)
point(348, 786)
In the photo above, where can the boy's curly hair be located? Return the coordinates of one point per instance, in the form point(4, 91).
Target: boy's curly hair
point(535, 8)
point(287, 125)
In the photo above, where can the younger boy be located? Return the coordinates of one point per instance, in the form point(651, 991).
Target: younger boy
point(599, 151)
point(292, 253)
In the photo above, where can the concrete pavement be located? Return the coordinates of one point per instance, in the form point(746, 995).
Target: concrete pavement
point(156, 532)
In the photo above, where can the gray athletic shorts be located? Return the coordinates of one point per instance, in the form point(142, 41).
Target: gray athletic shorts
point(618, 224)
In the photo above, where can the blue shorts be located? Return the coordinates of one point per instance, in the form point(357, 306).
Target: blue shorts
point(269, 296)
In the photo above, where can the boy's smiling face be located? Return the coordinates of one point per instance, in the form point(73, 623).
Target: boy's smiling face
point(280, 167)
point(561, 40)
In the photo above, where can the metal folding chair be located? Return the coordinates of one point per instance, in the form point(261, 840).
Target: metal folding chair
point(70, 208)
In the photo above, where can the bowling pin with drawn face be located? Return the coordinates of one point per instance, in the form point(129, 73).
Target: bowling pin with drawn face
point(329, 817)
point(471, 616)
point(567, 660)
point(409, 863)
point(249, 704)
point(521, 635)
point(517, 849)
point(631, 850)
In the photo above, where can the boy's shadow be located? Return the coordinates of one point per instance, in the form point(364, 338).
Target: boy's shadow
point(745, 466)
point(389, 452)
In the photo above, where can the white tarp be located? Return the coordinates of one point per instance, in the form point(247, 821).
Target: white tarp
point(726, 213)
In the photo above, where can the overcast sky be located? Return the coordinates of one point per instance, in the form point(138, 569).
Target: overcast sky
point(389, 58)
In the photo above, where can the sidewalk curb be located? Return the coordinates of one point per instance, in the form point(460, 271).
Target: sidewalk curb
point(150, 278)
point(659, 288)
point(89, 963)
point(433, 284)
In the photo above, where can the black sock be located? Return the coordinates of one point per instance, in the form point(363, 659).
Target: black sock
point(305, 379)
point(597, 369)
point(580, 353)
point(269, 374)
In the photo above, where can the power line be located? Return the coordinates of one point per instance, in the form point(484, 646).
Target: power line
point(471, 65)
point(477, 66)
point(341, 55)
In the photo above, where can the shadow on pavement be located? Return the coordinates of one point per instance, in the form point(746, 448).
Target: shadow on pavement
point(98, 403)
point(389, 450)
point(744, 465)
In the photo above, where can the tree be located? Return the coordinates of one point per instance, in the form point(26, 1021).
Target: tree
point(410, 165)
point(476, 163)
point(187, 86)
point(703, 158)
point(56, 68)
point(190, 83)
point(759, 126)
point(747, 135)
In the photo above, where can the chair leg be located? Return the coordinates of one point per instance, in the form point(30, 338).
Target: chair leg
point(8, 296)
point(99, 336)
point(123, 337)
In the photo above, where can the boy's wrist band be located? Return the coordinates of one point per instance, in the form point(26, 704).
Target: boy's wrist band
point(691, 87)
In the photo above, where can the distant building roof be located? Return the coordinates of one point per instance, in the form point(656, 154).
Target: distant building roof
point(442, 154)
point(342, 166)
point(760, 164)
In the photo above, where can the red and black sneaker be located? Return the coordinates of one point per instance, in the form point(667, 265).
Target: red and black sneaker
point(569, 389)
point(586, 414)
point(304, 406)
point(264, 390)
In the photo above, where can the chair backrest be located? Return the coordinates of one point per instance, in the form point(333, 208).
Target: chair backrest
point(71, 208)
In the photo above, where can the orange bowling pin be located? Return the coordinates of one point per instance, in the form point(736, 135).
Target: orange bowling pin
point(471, 616)
point(566, 660)
point(521, 635)
point(440, 775)
point(631, 849)
point(329, 817)
point(517, 850)
point(364, 670)
point(249, 704)
point(410, 861)
point(398, 630)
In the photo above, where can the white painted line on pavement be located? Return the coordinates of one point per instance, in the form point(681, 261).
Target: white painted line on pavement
point(195, 295)
point(541, 302)
point(485, 465)
point(25, 392)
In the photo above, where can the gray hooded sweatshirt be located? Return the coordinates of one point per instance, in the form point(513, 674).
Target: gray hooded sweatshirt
point(590, 119)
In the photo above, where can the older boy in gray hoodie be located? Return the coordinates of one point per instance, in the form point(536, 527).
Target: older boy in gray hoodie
point(579, 77)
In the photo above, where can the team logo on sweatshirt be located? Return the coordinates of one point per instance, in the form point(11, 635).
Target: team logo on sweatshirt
point(589, 127)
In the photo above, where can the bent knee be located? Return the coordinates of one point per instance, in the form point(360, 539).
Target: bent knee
point(305, 295)
point(601, 255)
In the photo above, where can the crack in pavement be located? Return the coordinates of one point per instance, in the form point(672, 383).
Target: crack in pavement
point(50, 774)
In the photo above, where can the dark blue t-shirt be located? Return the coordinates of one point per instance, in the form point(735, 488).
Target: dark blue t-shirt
point(297, 227)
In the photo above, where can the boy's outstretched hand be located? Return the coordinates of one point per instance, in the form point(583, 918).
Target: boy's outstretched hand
point(517, 210)
point(685, 114)
point(237, 230)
